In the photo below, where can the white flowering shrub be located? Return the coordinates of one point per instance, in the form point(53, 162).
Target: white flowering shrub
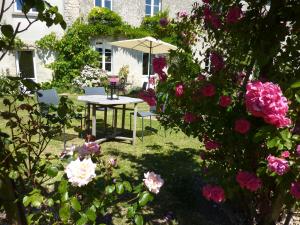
point(91, 77)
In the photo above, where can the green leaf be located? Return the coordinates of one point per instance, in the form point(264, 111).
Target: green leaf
point(75, 204)
point(63, 186)
point(273, 142)
point(110, 189)
point(262, 133)
point(13, 175)
point(96, 203)
point(138, 219)
point(296, 84)
point(29, 218)
point(145, 198)
point(286, 135)
point(7, 30)
point(127, 186)
point(65, 197)
point(50, 202)
point(120, 188)
point(64, 212)
point(297, 97)
point(131, 211)
point(91, 213)
point(83, 220)
point(52, 171)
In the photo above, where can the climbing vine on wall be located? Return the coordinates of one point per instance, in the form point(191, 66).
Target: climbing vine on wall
point(73, 51)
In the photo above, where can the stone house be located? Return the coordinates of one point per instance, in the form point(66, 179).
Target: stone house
point(30, 64)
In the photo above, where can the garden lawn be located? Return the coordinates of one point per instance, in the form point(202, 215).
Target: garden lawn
point(171, 154)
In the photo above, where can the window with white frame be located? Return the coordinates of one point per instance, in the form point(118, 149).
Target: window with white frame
point(105, 60)
point(152, 7)
point(19, 6)
point(104, 3)
point(25, 64)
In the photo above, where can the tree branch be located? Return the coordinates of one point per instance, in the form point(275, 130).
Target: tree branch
point(2, 10)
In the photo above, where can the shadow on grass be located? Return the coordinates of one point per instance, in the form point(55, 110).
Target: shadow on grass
point(181, 193)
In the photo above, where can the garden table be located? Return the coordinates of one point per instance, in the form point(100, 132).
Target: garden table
point(102, 101)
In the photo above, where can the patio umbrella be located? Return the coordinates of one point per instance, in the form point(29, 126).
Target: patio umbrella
point(147, 45)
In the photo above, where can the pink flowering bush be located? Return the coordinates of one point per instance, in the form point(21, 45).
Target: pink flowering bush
point(239, 64)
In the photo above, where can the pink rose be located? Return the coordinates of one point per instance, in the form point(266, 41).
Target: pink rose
point(89, 148)
point(182, 14)
point(278, 165)
point(248, 181)
point(189, 117)
point(208, 90)
point(216, 61)
point(295, 190)
point(206, 1)
point(211, 145)
point(214, 193)
point(266, 100)
point(242, 126)
point(285, 154)
point(153, 182)
point(215, 21)
point(225, 101)
point(207, 13)
point(234, 14)
point(179, 90)
point(148, 96)
point(112, 161)
point(159, 64)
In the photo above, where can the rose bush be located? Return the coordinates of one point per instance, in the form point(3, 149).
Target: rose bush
point(77, 187)
point(243, 88)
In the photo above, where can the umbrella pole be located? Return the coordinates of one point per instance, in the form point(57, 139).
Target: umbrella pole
point(149, 64)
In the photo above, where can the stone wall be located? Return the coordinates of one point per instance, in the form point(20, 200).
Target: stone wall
point(174, 6)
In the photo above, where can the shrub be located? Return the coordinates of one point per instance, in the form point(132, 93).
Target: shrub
point(240, 97)
point(91, 77)
point(104, 16)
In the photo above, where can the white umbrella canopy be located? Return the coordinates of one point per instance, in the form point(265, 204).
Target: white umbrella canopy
point(147, 45)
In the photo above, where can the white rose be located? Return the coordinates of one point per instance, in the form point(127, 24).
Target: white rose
point(153, 182)
point(80, 173)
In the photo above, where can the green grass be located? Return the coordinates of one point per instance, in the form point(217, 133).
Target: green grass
point(172, 155)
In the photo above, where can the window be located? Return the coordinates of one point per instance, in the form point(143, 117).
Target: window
point(105, 60)
point(19, 6)
point(152, 7)
point(25, 64)
point(145, 63)
point(104, 3)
